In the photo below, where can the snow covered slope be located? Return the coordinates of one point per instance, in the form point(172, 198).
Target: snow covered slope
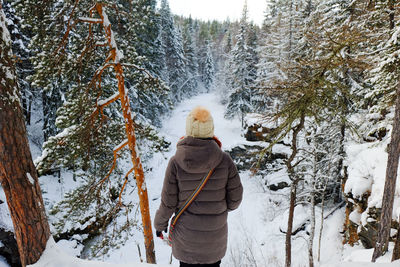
point(255, 237)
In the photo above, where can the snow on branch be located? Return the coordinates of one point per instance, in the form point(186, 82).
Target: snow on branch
point(90, 20)
point(113, 45)
point(109, 100)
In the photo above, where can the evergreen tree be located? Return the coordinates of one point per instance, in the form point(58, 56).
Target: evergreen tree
point(228, 43)
point(21, 36)
point(47, 76)
point(177, 77)
point(190, 50)
point(146, 31)
point(242, 77)
point(384, 46)
point(148, 102)
point(209, 69)
point(257, 100)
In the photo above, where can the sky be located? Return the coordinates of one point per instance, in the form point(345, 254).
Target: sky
point(219, 9)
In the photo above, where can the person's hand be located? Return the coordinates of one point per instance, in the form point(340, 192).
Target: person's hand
point(160, 234)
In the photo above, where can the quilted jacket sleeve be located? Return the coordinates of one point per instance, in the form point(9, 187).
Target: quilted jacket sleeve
point(169, 198)
point(234, 188)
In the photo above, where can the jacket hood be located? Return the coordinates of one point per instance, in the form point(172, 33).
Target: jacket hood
point(196, 155)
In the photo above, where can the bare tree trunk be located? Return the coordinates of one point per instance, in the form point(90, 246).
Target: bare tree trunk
point(29, 111)
point(391, 13)
point(18, 175)
point(312, 196)
point(293, 191)
point(312, 232)
point(340, 165)
point(396, 250)
point(382, 241)
point(288, 244)
point(322, 224)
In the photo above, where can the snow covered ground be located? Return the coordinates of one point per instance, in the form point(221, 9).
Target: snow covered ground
point(255, 237)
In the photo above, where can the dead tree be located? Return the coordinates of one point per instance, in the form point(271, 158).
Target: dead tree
point(18, 175)
point(382, 241)
point(113, 61)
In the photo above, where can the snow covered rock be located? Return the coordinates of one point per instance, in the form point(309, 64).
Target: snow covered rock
point(363, 191)
point(8, 248)
point(256, 129)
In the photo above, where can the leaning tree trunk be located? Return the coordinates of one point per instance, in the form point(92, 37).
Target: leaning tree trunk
point(288, 243)
point(396, 250)
point(18, 175)
point(382, 241)
point(293, 191)
point(113, 61)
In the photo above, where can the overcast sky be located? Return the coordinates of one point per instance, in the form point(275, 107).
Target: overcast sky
point(219, 9)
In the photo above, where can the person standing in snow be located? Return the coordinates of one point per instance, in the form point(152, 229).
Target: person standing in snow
point(200, 236)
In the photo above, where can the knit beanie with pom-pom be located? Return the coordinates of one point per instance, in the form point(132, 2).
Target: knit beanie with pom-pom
point(199, 123)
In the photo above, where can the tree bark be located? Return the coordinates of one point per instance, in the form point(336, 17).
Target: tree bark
point(312, 196)
point(293, 191)
point(391, 14)
point(18, 175)
point(312, 232)
point(382, 241)
point(396, 250)
point(322, 224)
point(288, 243)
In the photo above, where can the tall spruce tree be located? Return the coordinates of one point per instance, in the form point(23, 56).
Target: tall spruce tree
point(21, 37)
point(190, 50)
point(148, 102)
point(242, 77)
point(177, 77)
point(209, 71)
point(48, 75)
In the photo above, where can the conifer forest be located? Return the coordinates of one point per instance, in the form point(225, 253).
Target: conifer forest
point(94, 97)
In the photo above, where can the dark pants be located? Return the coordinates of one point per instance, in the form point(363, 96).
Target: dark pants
point(200, 265)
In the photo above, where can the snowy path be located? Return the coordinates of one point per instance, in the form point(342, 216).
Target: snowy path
point(229, 132)
point(254, 229)
point(248, 237)
point(245, 223)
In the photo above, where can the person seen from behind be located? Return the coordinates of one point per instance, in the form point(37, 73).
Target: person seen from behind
point(202, 173)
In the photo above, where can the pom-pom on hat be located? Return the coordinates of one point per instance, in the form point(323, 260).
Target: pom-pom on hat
point(199, 123)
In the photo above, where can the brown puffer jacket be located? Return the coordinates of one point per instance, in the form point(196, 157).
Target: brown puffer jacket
point(200, 235)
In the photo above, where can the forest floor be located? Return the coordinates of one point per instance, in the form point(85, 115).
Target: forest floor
point(256, 237)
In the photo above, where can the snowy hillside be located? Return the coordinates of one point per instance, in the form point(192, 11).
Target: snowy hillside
point(254, 229)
